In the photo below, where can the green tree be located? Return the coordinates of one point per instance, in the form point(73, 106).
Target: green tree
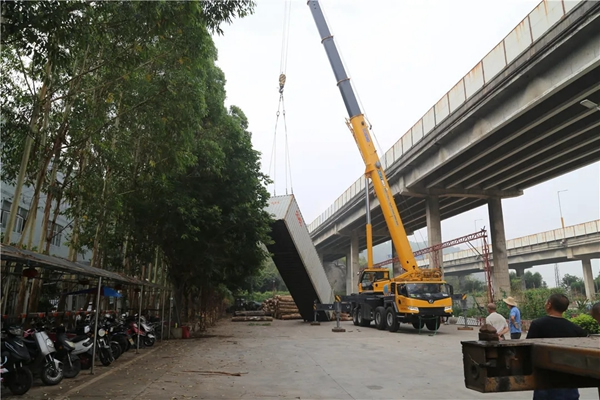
point(471, 285)
point(573, 284)
point(124, 101)
point(534, 281)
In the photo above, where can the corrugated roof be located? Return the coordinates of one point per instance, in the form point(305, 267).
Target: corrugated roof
point(12, 253)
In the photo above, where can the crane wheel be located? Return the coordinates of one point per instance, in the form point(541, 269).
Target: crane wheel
point(418, 324)
point(355, 316)
point(391, 321)
point(380, 318)
point(433, 324)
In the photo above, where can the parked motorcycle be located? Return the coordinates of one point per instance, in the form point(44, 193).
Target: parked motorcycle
point(68, 351)
point(150, 338)
point(42, 352)
point(15, 376)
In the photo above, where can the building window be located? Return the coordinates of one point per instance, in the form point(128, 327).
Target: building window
point(56, 234)
point(5, 212)
point(19, 220)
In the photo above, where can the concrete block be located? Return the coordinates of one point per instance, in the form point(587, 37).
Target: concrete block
point(546, 14)
point(569, 232)
point(591, 227)
point(417, 131)
point(579, 230)
point(456, 95)
point(429, 121)
point(406, 142)
point(494, 62)
point(474, 80)
point(442, 109)
point(398, 149)
point(389, 157)
point(570, 4)
point(518, 40)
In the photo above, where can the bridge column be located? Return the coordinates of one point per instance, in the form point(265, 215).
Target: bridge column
point(320, 254)
point(434, 230)
point(500, 277)
point(352, 264)
point(588, 278)
point(521, 275)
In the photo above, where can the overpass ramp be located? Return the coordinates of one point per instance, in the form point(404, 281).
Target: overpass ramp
point(296, 258)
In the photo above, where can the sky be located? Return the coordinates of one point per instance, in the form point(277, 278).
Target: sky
point(402, 57)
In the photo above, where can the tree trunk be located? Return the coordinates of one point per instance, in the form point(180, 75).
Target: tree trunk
point(33, 127)
point(57, 208)
point(45, 235)
point(74, 242)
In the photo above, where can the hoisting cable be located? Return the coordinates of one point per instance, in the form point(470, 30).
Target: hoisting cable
point(281, 105)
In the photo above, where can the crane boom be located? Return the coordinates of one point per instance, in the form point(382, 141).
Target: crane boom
point(362, 136)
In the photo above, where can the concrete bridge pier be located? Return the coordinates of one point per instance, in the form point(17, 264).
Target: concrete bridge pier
point(352, 263)
point(588, 278)
point(434, 230)
point(521, 275)
point(500, 276)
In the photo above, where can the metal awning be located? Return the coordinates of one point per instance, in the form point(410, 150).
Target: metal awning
point(33, 259)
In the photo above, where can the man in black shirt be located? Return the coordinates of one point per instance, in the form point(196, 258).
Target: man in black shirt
point(595, 312)
point(554, 325)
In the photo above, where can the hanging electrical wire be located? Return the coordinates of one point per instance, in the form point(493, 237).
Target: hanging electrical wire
point(281, 106)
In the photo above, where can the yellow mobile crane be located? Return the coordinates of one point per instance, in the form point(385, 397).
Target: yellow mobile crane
point(417, 296)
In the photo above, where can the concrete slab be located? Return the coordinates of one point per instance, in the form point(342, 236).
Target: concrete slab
point(289, 360)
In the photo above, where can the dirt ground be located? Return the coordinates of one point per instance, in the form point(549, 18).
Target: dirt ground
point(286, 360)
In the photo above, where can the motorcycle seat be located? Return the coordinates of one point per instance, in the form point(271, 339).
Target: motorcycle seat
point(79, 338)
point(62, 339)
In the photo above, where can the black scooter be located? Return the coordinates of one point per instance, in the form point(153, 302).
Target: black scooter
point(15, 376)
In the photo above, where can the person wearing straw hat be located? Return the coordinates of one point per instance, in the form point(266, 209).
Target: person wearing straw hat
point(514, 319)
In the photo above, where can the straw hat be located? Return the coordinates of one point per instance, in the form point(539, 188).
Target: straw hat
point(510, 301)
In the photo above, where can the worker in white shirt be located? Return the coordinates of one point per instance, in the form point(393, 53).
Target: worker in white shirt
point(497, 321)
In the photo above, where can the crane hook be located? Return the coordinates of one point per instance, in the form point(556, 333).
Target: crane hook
point(281, 82)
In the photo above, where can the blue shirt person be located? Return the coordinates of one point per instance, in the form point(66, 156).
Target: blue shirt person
point(514, 319)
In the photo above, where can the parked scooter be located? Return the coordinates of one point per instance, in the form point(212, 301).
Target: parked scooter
point(42, 352)
point(68, 351)
point(15, 375)
point(150, 338)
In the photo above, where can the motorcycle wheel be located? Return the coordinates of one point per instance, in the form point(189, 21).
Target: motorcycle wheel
point(116, 349)
point(148, 341)
point(123, 343)
point(51, 375)
point(20, 381)
point(105, 358)
point(71, 371)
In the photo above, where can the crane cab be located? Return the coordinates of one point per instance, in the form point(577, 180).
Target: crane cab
point(373, 280)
